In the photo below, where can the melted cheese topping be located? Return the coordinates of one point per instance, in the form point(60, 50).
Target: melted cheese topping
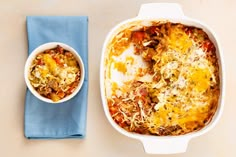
point(164, 83)
point(178, 40)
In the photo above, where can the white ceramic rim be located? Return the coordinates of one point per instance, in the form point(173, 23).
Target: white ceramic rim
point(42, 48)
point(176, 144)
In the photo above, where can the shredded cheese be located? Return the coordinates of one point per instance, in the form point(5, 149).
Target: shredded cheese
point(183, 92)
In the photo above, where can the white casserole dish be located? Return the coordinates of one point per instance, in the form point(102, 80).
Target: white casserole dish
point(165, 144)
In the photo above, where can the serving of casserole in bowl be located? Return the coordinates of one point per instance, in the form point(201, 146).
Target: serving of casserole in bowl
point(54, 72)
point(162, 78)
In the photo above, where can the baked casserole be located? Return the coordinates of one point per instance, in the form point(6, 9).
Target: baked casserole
point(161, 78)
point(55, 73)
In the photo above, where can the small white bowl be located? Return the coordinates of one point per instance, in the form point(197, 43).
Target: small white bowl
point(42, 48)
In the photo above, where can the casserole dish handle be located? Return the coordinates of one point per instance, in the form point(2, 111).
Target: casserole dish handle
point(169, 145)
point(160, 10)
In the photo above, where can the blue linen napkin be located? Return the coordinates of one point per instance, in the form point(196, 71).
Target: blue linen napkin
point(63, 120)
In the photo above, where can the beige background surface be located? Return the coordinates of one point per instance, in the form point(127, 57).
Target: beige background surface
point(102, 140)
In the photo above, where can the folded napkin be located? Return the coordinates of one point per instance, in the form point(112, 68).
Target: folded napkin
point(63, 120)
